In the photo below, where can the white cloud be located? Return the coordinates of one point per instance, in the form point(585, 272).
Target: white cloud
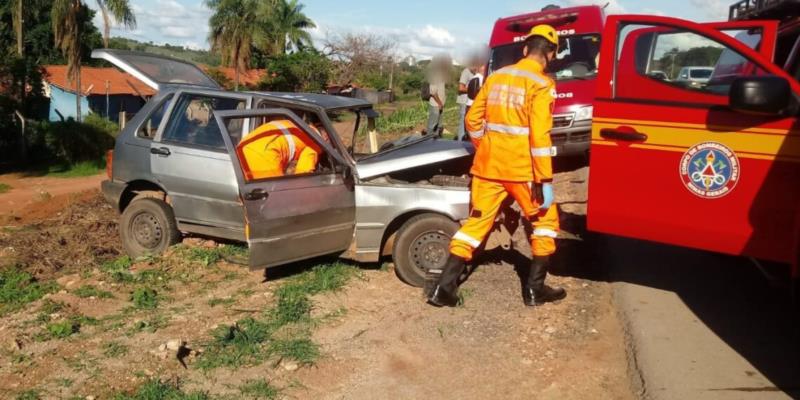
point(420, 42)
point(436, 36)
point(716, 10)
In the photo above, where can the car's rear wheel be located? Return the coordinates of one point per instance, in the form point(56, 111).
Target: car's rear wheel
point(422, 243)
point(148, 227)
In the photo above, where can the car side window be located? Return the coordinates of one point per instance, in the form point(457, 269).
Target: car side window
point(698, 69)
point(150, 126)
point(192, 121)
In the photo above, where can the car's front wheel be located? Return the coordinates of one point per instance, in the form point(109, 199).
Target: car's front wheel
point(148, 227)
point(422, 243)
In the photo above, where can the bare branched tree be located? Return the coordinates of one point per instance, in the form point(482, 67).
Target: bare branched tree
point(354, 53)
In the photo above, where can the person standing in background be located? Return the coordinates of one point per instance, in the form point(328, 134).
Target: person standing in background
point(437, 79)
point(473, 88)
point(463, 86)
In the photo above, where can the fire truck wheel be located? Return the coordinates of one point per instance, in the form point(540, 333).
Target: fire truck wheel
point(422, 243)
point(148, 227)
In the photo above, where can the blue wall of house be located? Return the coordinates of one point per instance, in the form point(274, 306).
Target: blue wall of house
point(64, 102)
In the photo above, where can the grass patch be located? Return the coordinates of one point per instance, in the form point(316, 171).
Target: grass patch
point(209, 256)
point(224, 302)
point(4, 187)
point(87, 291)
point(119, 269)
point(463, 295)
point(77, 170)
point(114, 349)
point(144, 298)
point(28, 395)
point(251, 341)
point(259, 390)
point(63, 329)
point(18, 288)
point(157, 390)
point(150, 325)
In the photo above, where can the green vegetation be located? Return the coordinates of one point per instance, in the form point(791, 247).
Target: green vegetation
point(209, 256)
point(145, 298)
point(404, 119)
point(91, 291)
point(18, 288)
point(29, 395)
point(157, 390)
point(4, 187)
point(114, 349)
point(303, 71)
point(259, 390)
point(282, 332)
point(63, 329)
point(225, 302)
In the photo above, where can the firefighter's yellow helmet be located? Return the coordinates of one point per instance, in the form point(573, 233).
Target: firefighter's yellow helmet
point(545, 31)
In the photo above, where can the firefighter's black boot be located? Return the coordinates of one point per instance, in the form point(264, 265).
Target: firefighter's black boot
point(445, 293)
point(535, 292)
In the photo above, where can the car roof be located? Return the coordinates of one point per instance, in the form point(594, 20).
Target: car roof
point(326, 101)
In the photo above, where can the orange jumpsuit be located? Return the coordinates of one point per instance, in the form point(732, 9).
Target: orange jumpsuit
point(268, 150)
point(509, 124)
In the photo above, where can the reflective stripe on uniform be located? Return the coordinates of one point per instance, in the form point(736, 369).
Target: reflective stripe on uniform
point(510, 129)
point(466, 238)
point(476, 135)
point(543, 152)
point(289, 139)
point(518, 72)
point(543, 232)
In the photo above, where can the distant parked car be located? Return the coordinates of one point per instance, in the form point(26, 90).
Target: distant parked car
point(695, 76)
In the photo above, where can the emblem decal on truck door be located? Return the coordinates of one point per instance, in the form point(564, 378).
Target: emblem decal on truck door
point(710, 170)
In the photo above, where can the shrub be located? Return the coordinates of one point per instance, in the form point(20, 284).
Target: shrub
point(144, 297)
point(304, 71)
point(70, 142)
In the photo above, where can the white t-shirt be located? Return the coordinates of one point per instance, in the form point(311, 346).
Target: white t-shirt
point(479, 77)
point(437, 88)
point(466, 76)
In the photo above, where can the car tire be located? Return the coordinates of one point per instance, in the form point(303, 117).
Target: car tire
point(148, 227)
point(422, 243)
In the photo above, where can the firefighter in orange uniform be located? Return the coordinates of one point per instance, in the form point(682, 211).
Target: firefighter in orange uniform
point(509, 124)
point(268, 150)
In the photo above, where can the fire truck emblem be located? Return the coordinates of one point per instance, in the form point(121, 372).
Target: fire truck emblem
point(710, 170)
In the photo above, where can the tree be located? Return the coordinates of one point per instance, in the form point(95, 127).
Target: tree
point(66, 16)
point(235, 26)
point(120, 11)
point(289, 25)
point(357, 54)
point(303, 71)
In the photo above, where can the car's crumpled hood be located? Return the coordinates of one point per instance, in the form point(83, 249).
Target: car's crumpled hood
point(415, 153)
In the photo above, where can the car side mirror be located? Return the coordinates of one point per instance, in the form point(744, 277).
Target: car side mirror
point(473, 88)
point(762, 95)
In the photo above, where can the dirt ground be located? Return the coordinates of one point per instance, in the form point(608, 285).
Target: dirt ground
point(33, 198)
point(377, 337)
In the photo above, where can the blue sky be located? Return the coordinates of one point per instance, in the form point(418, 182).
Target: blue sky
point(419, 27)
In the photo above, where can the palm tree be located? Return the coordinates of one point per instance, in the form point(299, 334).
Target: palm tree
point(18, 20)
point(289, 26)
point(120, 11)
point(234, 29)
point(67, 25)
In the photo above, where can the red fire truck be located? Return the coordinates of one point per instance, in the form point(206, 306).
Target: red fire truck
point(708, 161)
point(575, 69)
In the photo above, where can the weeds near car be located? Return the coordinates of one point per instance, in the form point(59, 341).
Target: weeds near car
point(157, 390)
point(114, 349)
point(145, 298)
point(216, 302)
point(253, 340)
point(63, 329)
point(259, 390)
point(18, 288)
point(209, 256)
point(28, 395)
point(87, 291)
point(77, 170)
point(4, 187)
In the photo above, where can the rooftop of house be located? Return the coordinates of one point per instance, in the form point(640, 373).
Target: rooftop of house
point(94, 81)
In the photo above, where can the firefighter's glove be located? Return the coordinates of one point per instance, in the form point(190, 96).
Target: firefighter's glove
point(544, 195)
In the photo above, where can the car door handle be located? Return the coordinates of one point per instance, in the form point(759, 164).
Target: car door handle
point(161, 151)
point(256, 194)
point(623, 133)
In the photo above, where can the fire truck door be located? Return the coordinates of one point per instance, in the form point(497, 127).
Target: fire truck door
point(670, 160)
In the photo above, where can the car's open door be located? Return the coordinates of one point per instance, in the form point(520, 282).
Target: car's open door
point(155, 70)
point(293, 217)
point(670, 160)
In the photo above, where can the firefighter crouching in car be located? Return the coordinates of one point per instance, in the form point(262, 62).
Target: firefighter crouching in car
point(510, 123)
point(268, 151)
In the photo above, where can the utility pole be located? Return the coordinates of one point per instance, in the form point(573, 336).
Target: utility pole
point(391, 75)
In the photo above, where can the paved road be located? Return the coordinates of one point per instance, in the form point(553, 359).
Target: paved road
point(702, 325)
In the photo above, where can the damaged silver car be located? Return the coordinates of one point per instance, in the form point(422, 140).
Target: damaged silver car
point(176, 171)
